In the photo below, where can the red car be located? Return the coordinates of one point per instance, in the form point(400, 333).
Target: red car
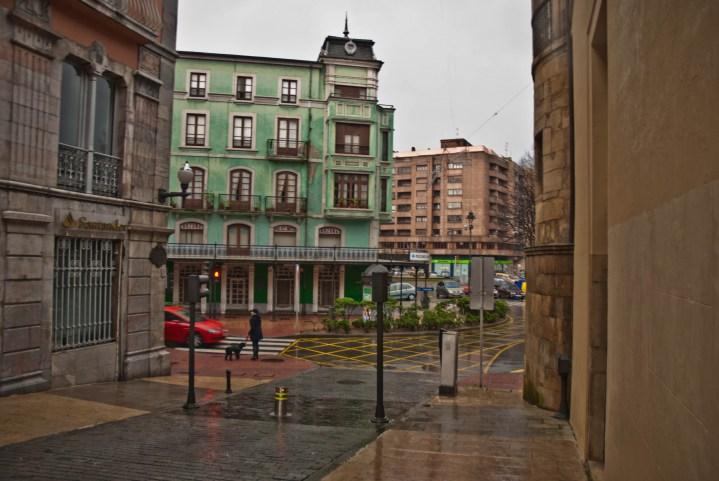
point(177, 327)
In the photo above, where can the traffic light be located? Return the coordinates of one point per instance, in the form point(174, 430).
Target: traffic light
point(196, 287)
point(216, 273)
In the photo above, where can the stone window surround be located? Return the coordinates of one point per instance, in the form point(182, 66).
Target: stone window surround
point(229, 178)
point(187, 84)
point(179, 222)
point(234, 87)
point(320, 226)
point(279, 89)
point(183, 129)
point(226, 230)
point(230, 130)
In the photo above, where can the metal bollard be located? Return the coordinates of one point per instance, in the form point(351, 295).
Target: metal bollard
point(281, 394)
point(228, 373)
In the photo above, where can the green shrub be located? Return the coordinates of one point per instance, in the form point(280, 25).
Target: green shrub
point(343, 307)
point(409, 319)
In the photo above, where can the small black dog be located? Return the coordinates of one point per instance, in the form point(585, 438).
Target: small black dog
point(235, 349)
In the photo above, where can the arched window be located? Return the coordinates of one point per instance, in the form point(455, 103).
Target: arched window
point(238, 235)
point(191, 233)
point(286, 186)
point(330, 237)
point(196, 190)
point(240, 184)
point(284, 235)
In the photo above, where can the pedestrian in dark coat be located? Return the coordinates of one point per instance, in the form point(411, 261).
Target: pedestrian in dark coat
point(255, 334)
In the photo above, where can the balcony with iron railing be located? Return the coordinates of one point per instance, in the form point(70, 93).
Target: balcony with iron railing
point(201, 201)
point(72, 171)
point(240, 203)
point(272, 253)
point(286, 205)
point(287, 149)
point(351, 149)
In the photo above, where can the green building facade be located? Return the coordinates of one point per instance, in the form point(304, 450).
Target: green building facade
point(292, 175)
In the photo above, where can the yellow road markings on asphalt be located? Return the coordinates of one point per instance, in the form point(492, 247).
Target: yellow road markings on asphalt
point(500, 352)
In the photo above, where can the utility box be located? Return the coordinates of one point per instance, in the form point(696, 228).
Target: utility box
point(448, 363)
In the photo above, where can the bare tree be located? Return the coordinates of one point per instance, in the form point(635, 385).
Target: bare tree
point(517, 218)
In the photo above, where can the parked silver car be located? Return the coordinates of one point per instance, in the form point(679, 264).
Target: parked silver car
point(402, 290)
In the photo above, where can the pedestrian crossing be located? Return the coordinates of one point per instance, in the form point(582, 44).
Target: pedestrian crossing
point(269, 346)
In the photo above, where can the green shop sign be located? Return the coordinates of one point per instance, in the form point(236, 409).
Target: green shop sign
point(466, 261)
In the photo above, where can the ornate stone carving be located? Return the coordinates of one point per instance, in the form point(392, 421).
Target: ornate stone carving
point(37, 9)
point(34, 39)
point(149, 62)
point(97, 56)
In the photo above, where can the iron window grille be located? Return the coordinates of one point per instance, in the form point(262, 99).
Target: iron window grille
point(198, 84)
point(84, 292)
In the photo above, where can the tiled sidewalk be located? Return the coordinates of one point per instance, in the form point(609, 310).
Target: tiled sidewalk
point(478, 436)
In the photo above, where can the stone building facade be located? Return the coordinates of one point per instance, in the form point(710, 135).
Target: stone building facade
point(549, 263)
point(85, 102)
point(433, 193)
point(292, 164)
point(646, 290)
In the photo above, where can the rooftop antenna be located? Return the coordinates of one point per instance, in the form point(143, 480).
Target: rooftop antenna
point(506, 149)
point(347, 30)
point(457, 130)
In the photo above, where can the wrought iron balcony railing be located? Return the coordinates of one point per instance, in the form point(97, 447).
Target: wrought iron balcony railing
point(106, 174)
point(351, 149)
point(293, 149)
point(72, 171)
point(199, 201)
point(240, 203)
point(352, 203)
point(286, 205)
point(272, 253)
point(71, 168)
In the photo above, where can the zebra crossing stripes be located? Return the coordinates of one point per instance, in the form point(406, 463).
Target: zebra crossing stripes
point(268, 346)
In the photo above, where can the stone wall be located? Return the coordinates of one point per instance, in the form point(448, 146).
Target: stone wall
point(549, 322)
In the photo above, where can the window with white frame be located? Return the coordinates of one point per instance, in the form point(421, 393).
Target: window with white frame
point(454, 205)
point(287, 130)
point(454, 191)
point(241, 132)
point(455, 165)
point(420, 219)
point(244, 88)
point(88, 133)
point(195, 129)
point(198, 84)
point(289, 91)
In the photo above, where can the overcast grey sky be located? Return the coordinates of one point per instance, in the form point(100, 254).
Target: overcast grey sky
point(448, 64)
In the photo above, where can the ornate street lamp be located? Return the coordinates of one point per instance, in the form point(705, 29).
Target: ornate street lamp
point(185, 176)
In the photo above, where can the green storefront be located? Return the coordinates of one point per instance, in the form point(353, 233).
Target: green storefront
point(292, 175)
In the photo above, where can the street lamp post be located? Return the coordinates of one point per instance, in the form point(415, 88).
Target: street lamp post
point(470, 226)
point(185, 176)
point(376, 276)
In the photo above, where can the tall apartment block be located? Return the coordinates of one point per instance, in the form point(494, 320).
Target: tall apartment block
point(85, 96)
point(292, 169)
point(434, 193)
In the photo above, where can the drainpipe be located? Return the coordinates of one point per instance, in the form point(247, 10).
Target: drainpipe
point(570, 80)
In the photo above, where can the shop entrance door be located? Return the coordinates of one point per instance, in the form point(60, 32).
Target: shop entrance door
point(237, 287)
point(285, 287)
point(329, 287)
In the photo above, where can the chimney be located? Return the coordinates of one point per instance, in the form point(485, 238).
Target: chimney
point(414, 149)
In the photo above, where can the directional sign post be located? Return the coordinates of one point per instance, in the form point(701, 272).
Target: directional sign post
point(481, 284)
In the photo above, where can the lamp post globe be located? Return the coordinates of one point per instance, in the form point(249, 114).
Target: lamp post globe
point(185, 175)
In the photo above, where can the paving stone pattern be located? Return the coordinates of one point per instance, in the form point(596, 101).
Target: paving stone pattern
point(231, 440)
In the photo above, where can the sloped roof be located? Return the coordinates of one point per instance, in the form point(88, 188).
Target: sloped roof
point(334, 47)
